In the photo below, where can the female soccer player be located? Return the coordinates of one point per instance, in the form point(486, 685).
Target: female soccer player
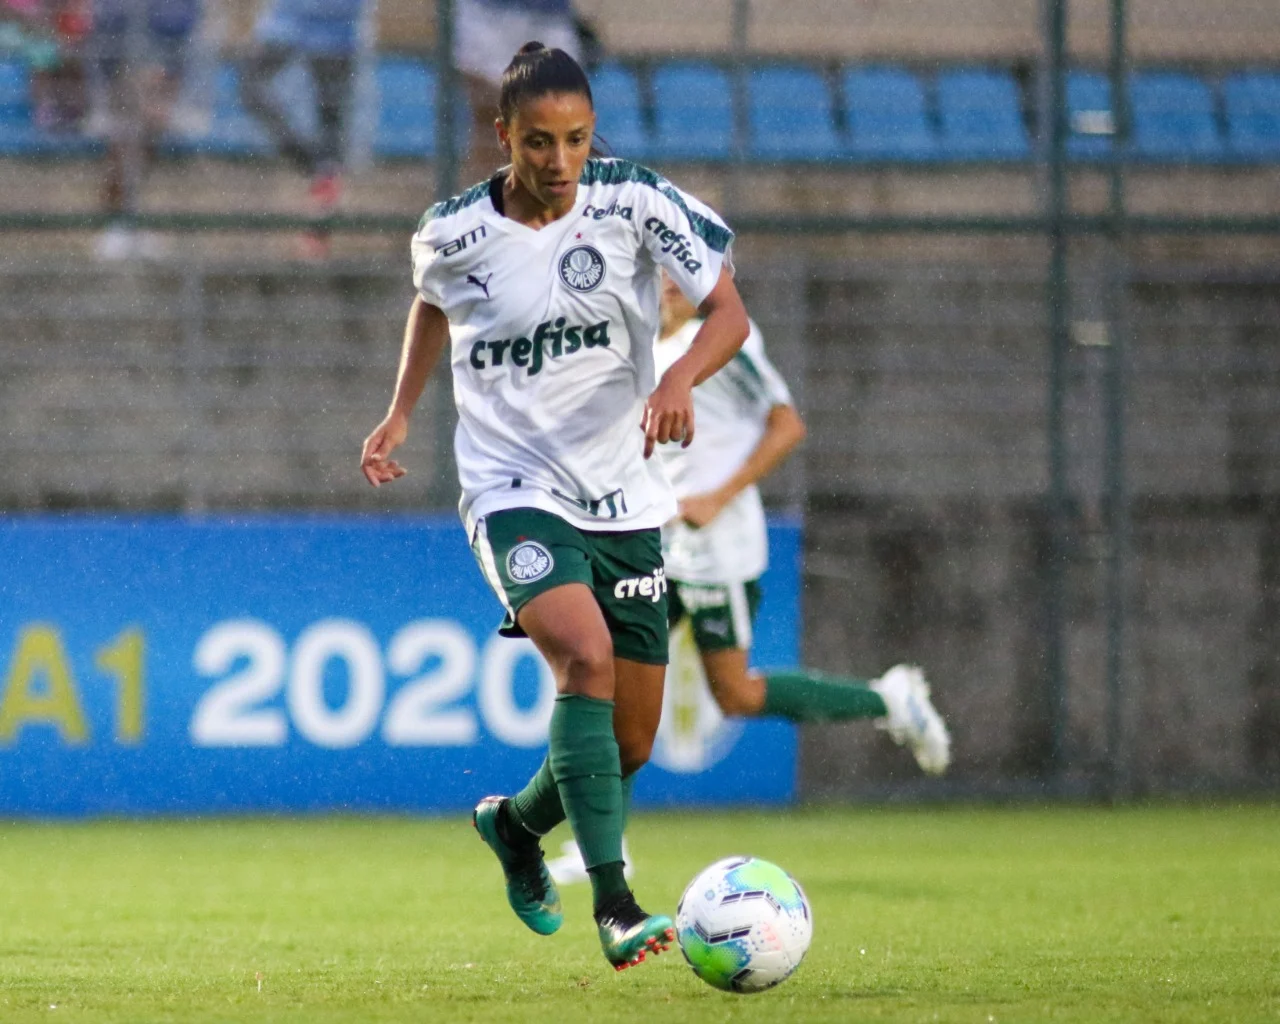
point(544, 281)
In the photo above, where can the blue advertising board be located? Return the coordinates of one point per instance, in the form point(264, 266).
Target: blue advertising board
point(159, 665)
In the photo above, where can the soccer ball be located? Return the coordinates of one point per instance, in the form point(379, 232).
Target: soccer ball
point(744, 924)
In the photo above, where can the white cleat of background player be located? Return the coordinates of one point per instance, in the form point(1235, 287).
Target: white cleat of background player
point(568, 867)
point(912, 719)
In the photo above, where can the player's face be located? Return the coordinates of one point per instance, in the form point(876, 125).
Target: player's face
point(549, 139)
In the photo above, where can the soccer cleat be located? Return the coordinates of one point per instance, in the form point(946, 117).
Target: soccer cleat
point(912, 718)
point(628, 934)
point(530, 890)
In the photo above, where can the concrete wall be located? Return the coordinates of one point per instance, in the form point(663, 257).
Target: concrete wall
point(219, 385)
point(927, 537)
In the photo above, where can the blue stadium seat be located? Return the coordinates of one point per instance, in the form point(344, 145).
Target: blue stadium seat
point(1090, 116)
point(789, 115)
point(406, 109)
point(15, 92)
point(1173, 118)
point(19, 136)
point(232, 130)
point(885, 108)
point(619, 112)
point(980, 115)
point(693, 112)
point(1252, 103)
point(407, 97)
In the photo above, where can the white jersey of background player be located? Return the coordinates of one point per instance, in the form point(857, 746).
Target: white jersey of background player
point(730, 411)
point(547, 347)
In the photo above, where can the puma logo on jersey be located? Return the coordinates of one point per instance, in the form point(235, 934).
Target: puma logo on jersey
point(652, 587)
point(461, 242)
point(551, 340)
point(674, 243)
point(483, 285)
point(601, 212)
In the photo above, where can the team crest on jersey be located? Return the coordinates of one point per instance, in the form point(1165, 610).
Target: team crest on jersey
point(582, 268)
point(529, 561)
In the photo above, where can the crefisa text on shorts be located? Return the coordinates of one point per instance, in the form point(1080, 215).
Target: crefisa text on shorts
point(652, 587)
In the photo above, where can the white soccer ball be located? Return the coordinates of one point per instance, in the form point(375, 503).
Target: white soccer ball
point(744, 924)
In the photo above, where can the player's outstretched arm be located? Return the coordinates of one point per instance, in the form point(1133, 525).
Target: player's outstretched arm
point(425, 335)
point(668, 415)
point(783, 430)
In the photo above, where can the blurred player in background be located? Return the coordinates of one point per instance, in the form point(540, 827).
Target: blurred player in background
point(544, 283)
point(716, 550)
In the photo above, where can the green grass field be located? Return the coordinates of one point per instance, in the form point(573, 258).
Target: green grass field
point(978, 915)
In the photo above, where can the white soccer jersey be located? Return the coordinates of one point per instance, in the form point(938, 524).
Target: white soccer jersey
point(552, 334)
point(729, 413)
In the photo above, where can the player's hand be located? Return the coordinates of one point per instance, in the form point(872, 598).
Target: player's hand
point(375, 462)
point(668, 414)
point(700, 509)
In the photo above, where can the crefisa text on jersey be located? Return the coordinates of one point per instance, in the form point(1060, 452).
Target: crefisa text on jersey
point(601, 212)
point(674, 243)
point(551, 339)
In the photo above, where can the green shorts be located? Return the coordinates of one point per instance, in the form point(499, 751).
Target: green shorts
point(524, 551)
point(722, 613)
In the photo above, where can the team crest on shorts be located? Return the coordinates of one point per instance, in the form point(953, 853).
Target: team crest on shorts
point(582, 268)
point(529, 561)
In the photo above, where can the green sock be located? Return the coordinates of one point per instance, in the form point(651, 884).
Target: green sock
point(537, 807)
point(812, 697)
point(628, 784)
point(584, 760)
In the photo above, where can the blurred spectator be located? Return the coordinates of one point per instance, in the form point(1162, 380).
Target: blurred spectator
point(49, 36)
point(140, 51)
point(323, 34)
point(486, 34)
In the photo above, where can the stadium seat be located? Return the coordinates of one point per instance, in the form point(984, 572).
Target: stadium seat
point(232, 130)
point(885, 109)
point(1251, 100)
point(619, 111)
point(1090, 117)
point(1173, 118)
point(693, 112)
point(789, 115)
point(406, 109)
point(981, 116)
point(407, 97)
point(15, 91)
point(17, 135)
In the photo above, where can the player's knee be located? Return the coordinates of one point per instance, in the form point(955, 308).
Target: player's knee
point(736, 699)
point(588, 666)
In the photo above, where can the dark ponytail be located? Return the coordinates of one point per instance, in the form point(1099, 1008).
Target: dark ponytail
point(535, 71)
